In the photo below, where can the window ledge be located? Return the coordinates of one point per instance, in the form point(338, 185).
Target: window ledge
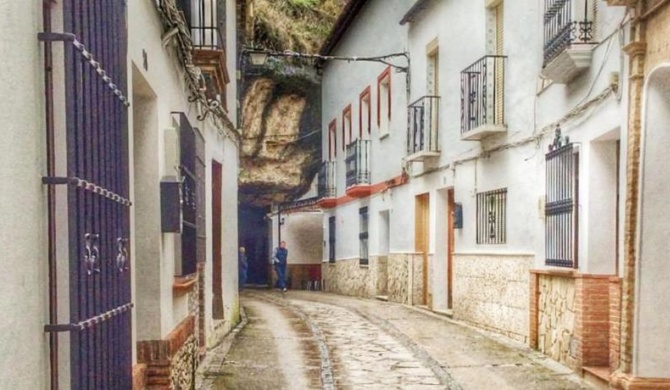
point(184, 284)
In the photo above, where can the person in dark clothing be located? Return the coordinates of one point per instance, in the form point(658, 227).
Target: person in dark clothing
point(242, 267)
point(279, 260)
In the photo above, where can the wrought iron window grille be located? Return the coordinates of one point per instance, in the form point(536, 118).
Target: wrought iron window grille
point(331, 239)
point(363, 235)
point(561, 211)
point(492, 217)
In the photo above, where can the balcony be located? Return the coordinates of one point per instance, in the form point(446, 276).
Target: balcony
point(568, 39)
point(327, 190)
point(422, 130)
point(204, 18)
point(483, 98)
point(358, 168)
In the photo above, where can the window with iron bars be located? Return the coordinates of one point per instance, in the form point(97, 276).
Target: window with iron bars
point(363, 235)
point(561, 211)
point(192, 166)
point(492, 217)
point(331, 239)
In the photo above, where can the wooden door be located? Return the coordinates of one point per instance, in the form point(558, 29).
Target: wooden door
point(450, 247)
point(421, 241)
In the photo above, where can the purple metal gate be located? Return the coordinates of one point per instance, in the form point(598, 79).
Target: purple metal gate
point(98, 205)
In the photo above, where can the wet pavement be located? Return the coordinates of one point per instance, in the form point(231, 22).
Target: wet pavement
point(314, 340)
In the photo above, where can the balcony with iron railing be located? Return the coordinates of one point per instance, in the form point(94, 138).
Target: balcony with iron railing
point(205, 20)
point(422, 129)
point(483, 98)
point(326, 184)
point(568, 39)
point(358, 168)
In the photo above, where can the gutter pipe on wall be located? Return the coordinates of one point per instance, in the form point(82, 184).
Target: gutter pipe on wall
point(51, 195)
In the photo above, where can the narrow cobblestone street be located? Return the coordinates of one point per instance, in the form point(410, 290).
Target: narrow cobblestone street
point(311, 340)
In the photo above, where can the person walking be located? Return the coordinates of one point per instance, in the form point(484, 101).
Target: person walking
point(279, 261)
point(242, 267)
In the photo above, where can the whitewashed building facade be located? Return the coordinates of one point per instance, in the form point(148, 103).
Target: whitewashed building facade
point(484, 223)
point(110, 283)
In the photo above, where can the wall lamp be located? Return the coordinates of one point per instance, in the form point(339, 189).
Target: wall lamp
point(258, 57)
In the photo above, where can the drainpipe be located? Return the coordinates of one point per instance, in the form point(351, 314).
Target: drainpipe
point(51, 195)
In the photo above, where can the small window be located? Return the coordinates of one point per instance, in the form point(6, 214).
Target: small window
point(363, 235)
point(492, 217)
point(331, 239)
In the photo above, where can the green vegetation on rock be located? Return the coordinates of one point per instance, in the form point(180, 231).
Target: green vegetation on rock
point(298, 25)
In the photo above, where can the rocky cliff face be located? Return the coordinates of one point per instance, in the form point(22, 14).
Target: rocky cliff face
point(281, 144)
point(281, 102)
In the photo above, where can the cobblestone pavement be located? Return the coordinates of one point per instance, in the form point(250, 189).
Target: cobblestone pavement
point(312, 340)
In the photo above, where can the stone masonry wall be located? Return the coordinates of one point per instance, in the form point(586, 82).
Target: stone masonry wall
point(184, 364)
point(491, 291)
point(398, 276)
point(348, 277)
point(556, 318)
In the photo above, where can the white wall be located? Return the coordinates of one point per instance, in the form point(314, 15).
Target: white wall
point(23, 284)
point(343, 82)
point(165, 77)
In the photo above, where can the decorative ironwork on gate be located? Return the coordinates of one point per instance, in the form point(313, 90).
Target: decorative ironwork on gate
point(561, 212)
point(97, 195)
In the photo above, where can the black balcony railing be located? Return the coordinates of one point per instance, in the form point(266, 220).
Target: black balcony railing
point(327, 180)
point(206, 17)
point(483, 93)
point(564, 25)
point(422, 131)
point(205, 20)
point(358, 162)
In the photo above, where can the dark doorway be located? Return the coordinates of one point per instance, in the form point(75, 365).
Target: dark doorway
point(253, 233)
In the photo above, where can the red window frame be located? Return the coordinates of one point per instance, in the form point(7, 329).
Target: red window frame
point(361, 98)
point(385, 75)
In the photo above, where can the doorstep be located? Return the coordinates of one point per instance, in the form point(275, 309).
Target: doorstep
point(597, 376)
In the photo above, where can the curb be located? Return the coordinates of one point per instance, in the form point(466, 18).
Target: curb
point(212, 365)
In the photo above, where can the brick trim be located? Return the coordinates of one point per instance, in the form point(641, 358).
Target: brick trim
point(157, 354)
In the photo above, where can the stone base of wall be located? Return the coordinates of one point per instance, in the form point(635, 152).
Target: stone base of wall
point(405, 278)
point(399, 276)
point(171, 363)
point(349, 277)
point(491, 292)
point(556, 318)
point(570, 315)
